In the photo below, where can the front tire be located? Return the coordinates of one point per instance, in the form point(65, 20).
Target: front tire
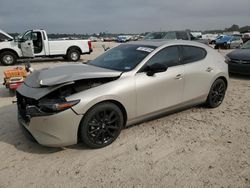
point(101, 125)
point(8, 58)
point(73, 55)
point(216, 94)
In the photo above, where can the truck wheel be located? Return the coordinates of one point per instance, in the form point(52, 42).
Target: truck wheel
point(8, 58)
point(73, 55)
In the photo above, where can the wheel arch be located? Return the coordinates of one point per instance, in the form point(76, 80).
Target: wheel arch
point(219, 76)
point(74, 48)
point(9, 50)
point(224, 79)
point(117, 103)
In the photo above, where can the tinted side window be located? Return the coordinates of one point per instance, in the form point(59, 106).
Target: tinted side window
point(168, 56)
point(192, 54)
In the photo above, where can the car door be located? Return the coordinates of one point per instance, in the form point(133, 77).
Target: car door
point(163, 89)
point(27, 48)
point(26, 44)
point(197, 71)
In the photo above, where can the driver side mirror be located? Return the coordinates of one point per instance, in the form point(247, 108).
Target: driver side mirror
point(155, 68)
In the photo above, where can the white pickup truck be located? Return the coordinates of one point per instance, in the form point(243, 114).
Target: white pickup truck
point(35, 43)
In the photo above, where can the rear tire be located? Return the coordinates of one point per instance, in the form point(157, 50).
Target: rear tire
point(101, 125)
point(73, 55)
point(216, 94)
point(8, 58)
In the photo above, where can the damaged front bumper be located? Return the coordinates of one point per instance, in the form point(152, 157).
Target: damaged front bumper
point(53, 130)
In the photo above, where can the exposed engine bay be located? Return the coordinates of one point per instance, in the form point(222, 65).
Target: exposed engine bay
point(55, 101)
point(44, 91)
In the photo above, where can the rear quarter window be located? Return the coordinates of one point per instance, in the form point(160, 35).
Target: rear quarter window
point(192, 54)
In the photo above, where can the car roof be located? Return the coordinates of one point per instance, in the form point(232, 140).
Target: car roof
point(158, 42)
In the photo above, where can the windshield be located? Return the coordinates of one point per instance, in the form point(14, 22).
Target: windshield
point(246, 45)
point(155, 35)
point(20, 35)
point(123, 58)
point(26, 35)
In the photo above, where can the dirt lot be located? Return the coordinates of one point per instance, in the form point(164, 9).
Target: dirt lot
point(197, 147)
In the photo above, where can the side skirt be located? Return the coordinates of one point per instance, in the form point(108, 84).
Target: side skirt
point(167, 111)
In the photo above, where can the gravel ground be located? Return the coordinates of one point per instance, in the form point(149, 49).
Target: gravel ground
point(197, 147)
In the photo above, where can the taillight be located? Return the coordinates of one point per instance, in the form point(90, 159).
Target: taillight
point(90, 45)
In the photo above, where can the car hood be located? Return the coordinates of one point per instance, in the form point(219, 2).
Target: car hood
point(67, 73)
point(240, 54)
point(42, 82)
point(6, 34)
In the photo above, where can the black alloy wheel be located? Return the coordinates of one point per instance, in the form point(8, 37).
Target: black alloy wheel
point(101, 125)
point(216, 94)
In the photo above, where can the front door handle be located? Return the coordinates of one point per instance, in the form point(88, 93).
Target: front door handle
point(178, 76)
point(209, 69)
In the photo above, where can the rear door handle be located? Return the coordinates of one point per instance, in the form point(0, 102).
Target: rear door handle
point(209, 69)
point(178, 76)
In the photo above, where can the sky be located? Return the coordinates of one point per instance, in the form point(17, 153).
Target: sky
point(121, 16)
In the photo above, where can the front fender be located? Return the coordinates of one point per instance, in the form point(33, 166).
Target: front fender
point(121, 90)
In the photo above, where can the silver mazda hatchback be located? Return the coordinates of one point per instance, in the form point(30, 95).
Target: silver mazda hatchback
point(93, 102)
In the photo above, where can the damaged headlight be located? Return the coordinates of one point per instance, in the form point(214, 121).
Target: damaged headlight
point(56, 105)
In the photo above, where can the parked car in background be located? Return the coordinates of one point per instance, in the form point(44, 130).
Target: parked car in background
point(174, 35)
point(94, 39)
point(210, 38)
point(218, 36)
point(35, 43)
point(109, 39)
point(130, 83)
point(197, 35)
point(239, 60)
point(246, 37)
point(228, 41)
point(170, 35)
point(123, 38)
